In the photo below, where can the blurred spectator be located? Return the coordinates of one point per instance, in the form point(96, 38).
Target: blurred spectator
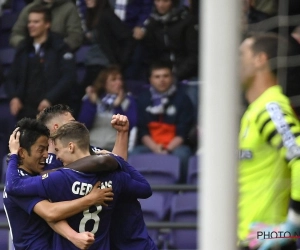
point(65, 21)
point(106, 97)
point(7, 121)
point(134, 14)
point(43, 69)
point(171, 35)
point(194, 7)
point(81, 7)
point(164, 117)
point(110, 38)
point(266, 16)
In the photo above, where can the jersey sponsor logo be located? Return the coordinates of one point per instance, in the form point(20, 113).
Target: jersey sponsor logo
point(246, 155)
point(284, 130)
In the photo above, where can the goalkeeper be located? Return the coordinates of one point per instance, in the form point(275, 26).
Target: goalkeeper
point(269, 143)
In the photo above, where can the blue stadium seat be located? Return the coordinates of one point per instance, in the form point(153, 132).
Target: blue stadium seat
point(158, 170)
point(8, 20)
point(192, 175)
point(4, 41)
point(153, 211)
point(184, 210)
point(7, 56)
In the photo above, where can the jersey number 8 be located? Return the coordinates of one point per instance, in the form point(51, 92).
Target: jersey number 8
point(87, 215)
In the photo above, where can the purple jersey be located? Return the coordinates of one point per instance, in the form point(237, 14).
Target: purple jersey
point(67, 184)
point(128, 230)
point(29, 231)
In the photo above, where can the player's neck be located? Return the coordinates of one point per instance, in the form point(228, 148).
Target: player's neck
point(260, 84)
point(80, 154)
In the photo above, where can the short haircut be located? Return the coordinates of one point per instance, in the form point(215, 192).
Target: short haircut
point(269, 43)
point(159, 65)
point(30, 130)
point(100, 82)
point(51, 112)
point(41, 9)
point(75, 132)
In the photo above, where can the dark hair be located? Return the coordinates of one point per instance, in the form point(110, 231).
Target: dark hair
point(30, 130)
point(159, 65)
point(100, 82)
point(93, 15)
point(269, 43)
point(49, 113)
point(73, 131)
point(41, 9)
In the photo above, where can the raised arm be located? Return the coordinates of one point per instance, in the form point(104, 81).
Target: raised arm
point(121, 124)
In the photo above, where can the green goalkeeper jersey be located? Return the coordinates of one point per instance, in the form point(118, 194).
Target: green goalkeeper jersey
point(269, 170)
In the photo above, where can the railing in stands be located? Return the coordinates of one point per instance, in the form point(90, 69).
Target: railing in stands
point(161, 225)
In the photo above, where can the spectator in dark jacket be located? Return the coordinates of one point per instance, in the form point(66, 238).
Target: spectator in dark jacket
point(171, 34)
point(164, 117)
point(66, 22)
point(111, 40)
point(43, 69)
point(7, 121)
point(134, 14)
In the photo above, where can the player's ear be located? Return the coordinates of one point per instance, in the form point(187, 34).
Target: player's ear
point(261, 60)
point(71, 147)
point(55, 126)
point(21, 154)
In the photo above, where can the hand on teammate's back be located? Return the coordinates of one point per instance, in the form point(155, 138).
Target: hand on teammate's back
point(101, 196)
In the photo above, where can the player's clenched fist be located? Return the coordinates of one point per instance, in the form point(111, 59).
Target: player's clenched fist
point(120, 123)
